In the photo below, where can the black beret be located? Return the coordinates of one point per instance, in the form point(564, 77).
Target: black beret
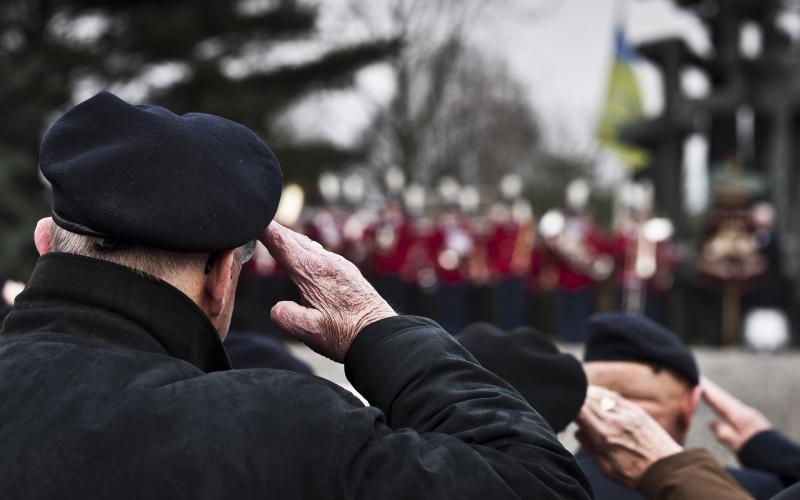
point(144, 175)
point(622, 337)
point(551, 381)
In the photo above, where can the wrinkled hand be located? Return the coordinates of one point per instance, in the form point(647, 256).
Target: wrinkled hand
point(621, 436)
point(736, 422)
point(337, 301)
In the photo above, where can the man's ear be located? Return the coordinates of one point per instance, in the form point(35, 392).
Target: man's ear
point(219, 280)
point(688, 406)
point(696, 396)
point(691, 401)
point(41, 235)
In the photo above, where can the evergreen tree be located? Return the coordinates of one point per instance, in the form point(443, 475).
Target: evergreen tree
point(212, 51)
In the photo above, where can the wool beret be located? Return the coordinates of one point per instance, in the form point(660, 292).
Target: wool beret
point(551, 381)
point(140, 174)
point(622, 337)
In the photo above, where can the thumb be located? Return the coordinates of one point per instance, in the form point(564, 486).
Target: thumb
point(302, 322)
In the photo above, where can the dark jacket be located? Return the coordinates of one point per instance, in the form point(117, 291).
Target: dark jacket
point(760, 485)
point(790, 493)
point(115, 385)
point(770, 451)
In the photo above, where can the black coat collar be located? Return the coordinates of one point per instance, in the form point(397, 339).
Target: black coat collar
point(114, 304)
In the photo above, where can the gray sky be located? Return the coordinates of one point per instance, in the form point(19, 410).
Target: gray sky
point(560, 49)
point(565, 52)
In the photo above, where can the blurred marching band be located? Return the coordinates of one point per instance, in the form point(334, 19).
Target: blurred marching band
point(460, 255)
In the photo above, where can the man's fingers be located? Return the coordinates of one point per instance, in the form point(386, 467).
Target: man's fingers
point(722, 402)
point(594, 422)
point(590, 429)
point(601, 454)
point(607, 414)
point(291, 249)
point(282, 245)
point(605, 403)
point(284, 235)
point(724, 432)
point(267, 235)
point(302, 322)
point(597, 392)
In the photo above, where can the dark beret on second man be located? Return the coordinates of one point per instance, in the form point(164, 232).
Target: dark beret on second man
point(552, 382)
point(144, 175)
point(623, 337)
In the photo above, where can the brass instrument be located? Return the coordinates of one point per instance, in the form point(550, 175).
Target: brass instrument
point(645, 261)
point(566, 240)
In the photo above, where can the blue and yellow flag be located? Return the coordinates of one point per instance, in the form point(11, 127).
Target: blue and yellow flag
point(623, 104)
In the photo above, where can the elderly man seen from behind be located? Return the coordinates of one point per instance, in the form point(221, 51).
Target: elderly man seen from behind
point(114, 382)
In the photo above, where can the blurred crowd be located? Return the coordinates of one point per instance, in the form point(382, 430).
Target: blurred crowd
point(458, 260)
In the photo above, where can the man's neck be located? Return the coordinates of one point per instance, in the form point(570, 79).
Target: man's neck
point(96, 299)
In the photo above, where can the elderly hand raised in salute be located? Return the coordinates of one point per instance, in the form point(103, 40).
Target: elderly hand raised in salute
point(736, 422)
point(337, 301)
point(632, 448)
point(621, 436)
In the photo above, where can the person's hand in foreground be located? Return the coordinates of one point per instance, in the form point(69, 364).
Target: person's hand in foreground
point(337, 301)
point(621, 436)
point(736, 422)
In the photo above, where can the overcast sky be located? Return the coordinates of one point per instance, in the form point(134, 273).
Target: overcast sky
point(560, 49)
point(564, 54)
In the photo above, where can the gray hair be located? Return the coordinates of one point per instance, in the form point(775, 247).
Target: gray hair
point(162, 264)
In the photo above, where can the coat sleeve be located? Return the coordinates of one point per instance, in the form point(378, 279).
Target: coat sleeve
point(441, 426)
point(689, 475)
point(770, 451)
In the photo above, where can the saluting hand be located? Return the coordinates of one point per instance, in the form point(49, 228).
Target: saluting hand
point(736, 422)
point(337, 301)
point(623, 438)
